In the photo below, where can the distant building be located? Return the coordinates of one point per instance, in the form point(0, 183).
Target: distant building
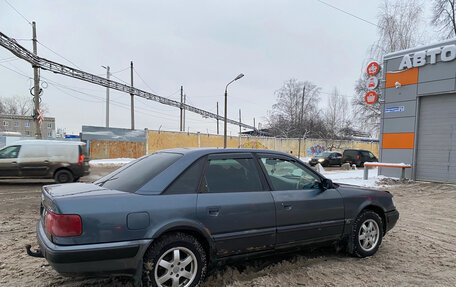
point(25, 125)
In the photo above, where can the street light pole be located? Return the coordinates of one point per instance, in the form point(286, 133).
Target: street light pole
point(226, 107)
point(107, 96)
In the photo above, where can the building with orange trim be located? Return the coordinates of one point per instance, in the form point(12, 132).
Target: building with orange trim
point(418, 121)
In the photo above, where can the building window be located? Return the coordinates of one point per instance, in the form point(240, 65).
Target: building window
point(27, 133)
point(49, 134)
point(5, 123)
point(27, 124)
point(16, 124)
point(49, 125)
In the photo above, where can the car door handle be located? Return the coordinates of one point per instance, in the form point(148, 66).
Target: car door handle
point(14, 162)
point(213, 211)
point(287, 206)
point(46, 161)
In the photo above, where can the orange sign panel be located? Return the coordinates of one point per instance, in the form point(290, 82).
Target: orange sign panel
point(407, 77)
point(398, 140)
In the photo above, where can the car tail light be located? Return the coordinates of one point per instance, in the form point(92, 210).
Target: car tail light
point(357, 157)
point(81, 159)
point(63, 225)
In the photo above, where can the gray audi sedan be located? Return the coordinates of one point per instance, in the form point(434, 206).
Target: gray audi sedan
point(167, 217)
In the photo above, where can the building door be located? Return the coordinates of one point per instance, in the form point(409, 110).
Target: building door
point(436, 147)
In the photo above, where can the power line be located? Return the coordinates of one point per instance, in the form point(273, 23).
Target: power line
point(348, 13)
point(57, 54)
point(136, 72)
point(30, 23)
point(15, 71)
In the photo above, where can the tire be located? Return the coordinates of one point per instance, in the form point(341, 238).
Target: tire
point(367, 234)
point(63, 176)
point(161, 258)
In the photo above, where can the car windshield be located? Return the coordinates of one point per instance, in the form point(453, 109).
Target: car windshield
point(136, 174)
point(324, 154)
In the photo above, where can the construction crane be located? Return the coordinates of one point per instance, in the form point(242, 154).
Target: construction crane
point(21, 52)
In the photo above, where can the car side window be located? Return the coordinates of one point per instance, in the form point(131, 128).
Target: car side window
point(289, 175)
point(10, 152)
point(187, 181)
point(231, 175)
point(371, 155)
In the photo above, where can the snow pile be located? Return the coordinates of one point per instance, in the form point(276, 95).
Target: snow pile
point(111, 161)
point(355, 177)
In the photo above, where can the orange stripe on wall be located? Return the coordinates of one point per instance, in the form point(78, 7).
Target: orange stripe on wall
point(407, 77)
point(400, 140)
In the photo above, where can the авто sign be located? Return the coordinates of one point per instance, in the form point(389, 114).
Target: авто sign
point(447, 53)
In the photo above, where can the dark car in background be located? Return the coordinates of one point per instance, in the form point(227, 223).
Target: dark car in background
point(358, 157)
point(327, 158)
point(167, 216)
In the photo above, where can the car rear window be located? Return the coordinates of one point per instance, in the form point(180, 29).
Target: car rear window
point(136, 174)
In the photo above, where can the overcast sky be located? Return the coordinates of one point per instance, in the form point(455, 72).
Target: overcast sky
point(201, 45)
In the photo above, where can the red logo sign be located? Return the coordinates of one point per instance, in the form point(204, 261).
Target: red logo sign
point(370, 97)
point(373, 68)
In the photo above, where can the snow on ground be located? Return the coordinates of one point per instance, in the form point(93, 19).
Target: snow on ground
point(355, 177)
point(111, 161)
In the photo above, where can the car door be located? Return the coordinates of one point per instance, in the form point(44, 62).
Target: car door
point(8, 161)
point(337, 158)
point(34, 161)
point(304, 211)
point(235, 205)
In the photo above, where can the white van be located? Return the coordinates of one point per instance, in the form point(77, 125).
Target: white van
point(64, 161)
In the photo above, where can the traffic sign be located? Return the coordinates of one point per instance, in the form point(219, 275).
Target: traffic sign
point(39, 115)
point(370, 97)
point(373, 68)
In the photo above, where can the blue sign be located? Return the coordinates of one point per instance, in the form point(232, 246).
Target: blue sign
point(394, 109)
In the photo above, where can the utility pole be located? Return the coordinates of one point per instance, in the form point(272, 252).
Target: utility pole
point(132, 105)
point(217, 120)
point(181, 108)
point(240, 128)
point(36, 87)
point(107, 98)
point(302, 105)
point(254, 127)
point(183, 118)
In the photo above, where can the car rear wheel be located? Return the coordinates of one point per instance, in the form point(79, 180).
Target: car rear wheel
point(367, 234)
point(176, 259)
point(63, 176)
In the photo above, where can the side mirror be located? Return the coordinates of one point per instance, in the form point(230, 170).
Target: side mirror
point(326, 184)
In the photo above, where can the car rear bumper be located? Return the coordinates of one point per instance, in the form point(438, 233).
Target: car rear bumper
point(391, 219)
point(103, 258)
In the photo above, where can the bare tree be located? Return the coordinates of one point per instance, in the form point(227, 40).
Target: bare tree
point(398, 26)
point(295, 113)
point(444, 17)
point(22, 106)
point(398, 29)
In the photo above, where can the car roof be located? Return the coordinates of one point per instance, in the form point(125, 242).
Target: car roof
point(206, 151)
point(45, 142)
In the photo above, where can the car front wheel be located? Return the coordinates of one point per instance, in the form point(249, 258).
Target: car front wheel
point(367, 234)
point(176, 259)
